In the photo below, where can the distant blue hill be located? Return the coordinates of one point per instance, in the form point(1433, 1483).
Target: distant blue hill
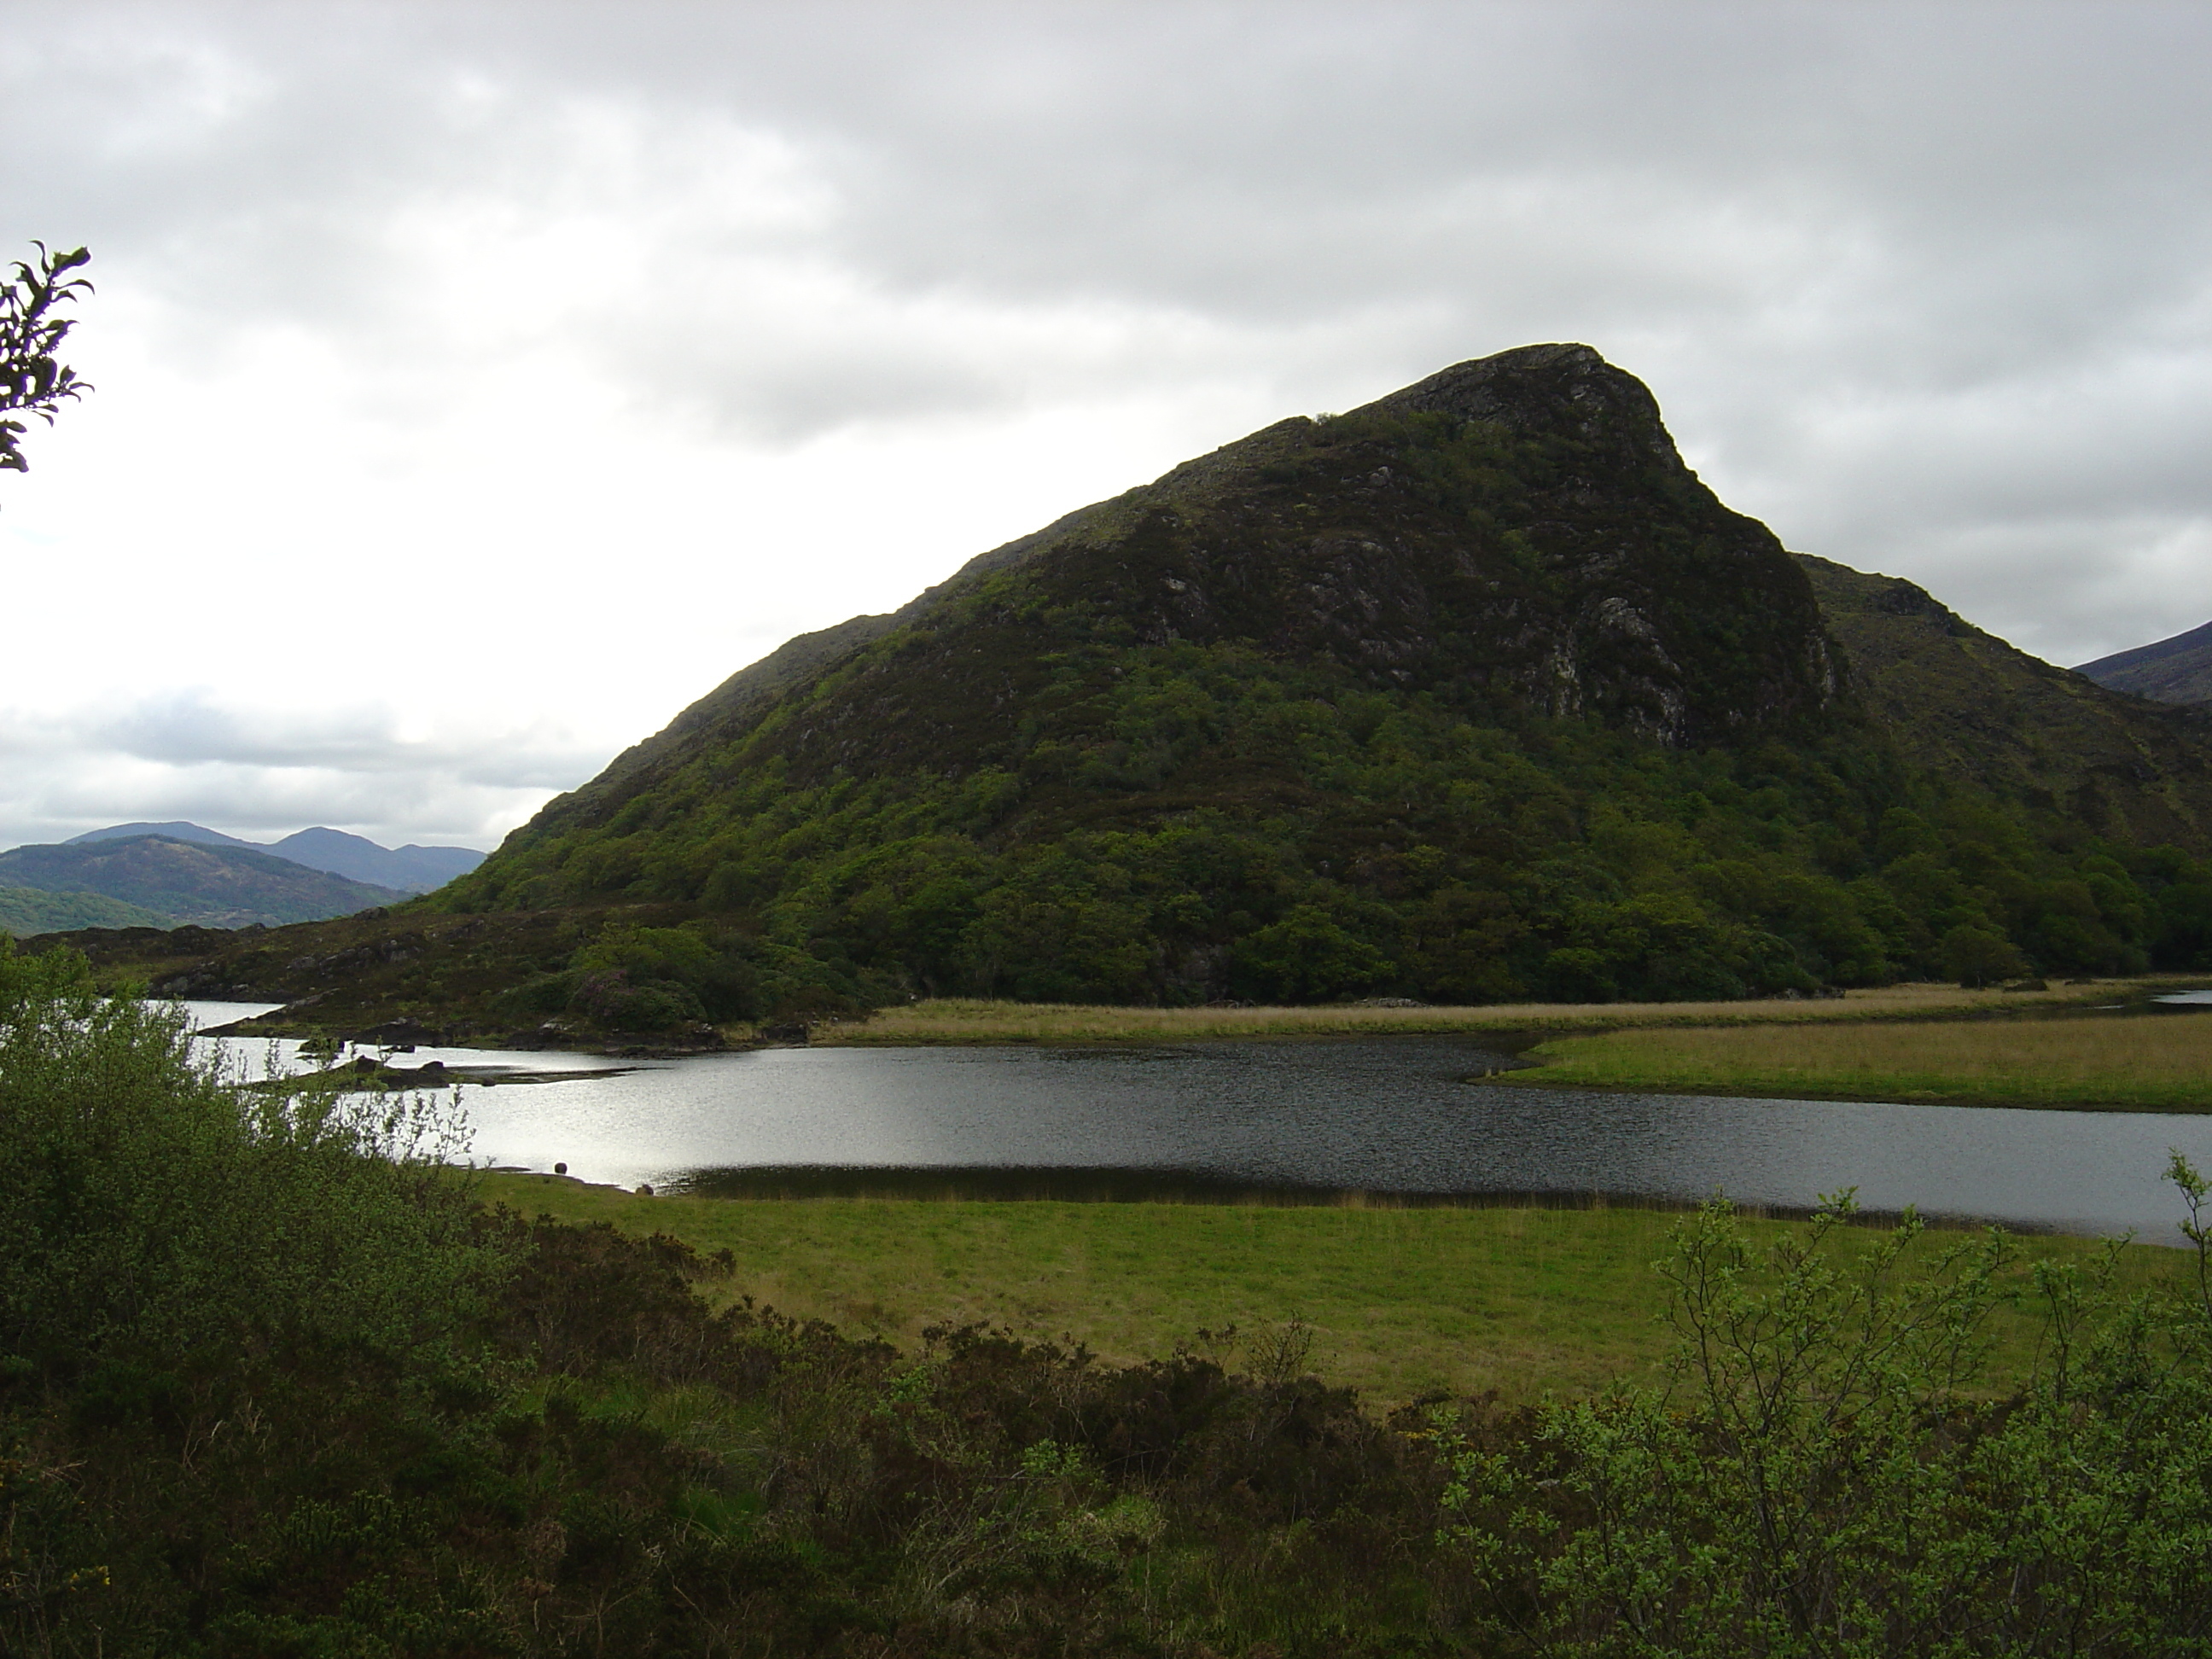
point(205, 884)
point(409, 869)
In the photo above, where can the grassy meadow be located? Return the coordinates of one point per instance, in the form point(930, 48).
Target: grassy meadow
point(958, 1019)
point(1400, 1301)
point(2135, 1062)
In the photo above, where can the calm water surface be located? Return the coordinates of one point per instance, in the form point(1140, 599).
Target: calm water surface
point(1380, 1115)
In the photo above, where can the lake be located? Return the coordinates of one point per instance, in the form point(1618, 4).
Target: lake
point(1294, 1117)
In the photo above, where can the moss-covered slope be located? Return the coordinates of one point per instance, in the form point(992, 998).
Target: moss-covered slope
point(1965, 706)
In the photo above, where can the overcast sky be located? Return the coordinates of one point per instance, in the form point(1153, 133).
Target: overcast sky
point(478, 384)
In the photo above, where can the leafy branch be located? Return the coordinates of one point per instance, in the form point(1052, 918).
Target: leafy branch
point(32, 378)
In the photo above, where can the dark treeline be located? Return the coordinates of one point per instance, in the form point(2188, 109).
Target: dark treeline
point(1430, 859)
point(270, 1384)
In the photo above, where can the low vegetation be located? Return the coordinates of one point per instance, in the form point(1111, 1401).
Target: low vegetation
point(273, 1382)
point(2145, 1062)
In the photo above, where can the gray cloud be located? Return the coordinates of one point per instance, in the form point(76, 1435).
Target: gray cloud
point(188, 731)
point(1928, 287)
point(264, 773)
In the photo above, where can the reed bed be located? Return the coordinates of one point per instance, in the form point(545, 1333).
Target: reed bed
point(961, 1020)
point(2138, 1062)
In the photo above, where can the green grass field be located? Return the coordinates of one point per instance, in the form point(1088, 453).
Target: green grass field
point(2135, 1062)
point(1400, 1301)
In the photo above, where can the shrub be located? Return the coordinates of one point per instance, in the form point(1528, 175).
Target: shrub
point(606, 997)
point(1975, 956)
point(1824, 1477)
point(149, 1204)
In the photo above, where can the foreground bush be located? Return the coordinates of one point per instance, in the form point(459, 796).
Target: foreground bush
point(1823, 1479)
point(148, 1209)
point(275, 1387)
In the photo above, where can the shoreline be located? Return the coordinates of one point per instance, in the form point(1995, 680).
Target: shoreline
point(975, 1022)
point(1529, 1077)
point(2135, 1057)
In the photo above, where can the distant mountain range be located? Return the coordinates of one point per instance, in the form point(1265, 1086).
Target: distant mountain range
point(205, 884)
point(409, 869)
point(2179, 670)
point(159, 875)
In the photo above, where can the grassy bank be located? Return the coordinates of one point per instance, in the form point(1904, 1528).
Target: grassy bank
point(1400, 1302)
point(956, 1019)
point(2135, 1062)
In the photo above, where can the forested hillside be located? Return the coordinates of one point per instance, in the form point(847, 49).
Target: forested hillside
point(26, 910)
point(1475, 693)
point(1962, 707)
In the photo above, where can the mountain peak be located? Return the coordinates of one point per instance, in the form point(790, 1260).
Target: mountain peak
point(1564, 391)
point(176, 829)
point(1513, 536)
